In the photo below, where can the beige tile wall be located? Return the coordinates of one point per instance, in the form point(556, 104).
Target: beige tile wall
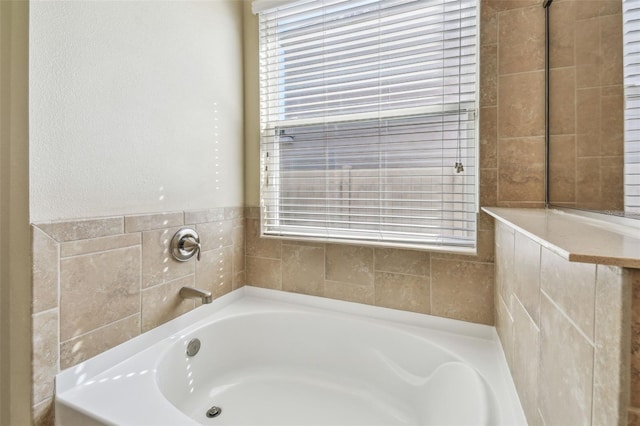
point(519, 103)
point(100, 282)
point(447, 285)
point(564, 328)
point(587, 101)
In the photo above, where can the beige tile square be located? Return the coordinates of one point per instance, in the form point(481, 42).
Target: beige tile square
point(612, 121)
point(98, 289)
point(93, 245)
point(400, 291)
point(231, 213)
point(521, 39)
point(521, 169)
point(260, 247)
point(562, 27)
point(485, 222)
point(45, 354)
point(214, 235)
point(562, 110)
point(633, 416)
point(488, 187)
point(612, 343)
point(572, 287)
point(303, 269)
point(81, 348)
point(163, 303)
point(252, 212)
point(350, 292)
point(238, 249)
point(611, 45)
point(612, 183)
point(462, 290)
point(488, 75)
point(83, 228)
point(504, 327)
point(158, 265)
point(588, 182)
point(566, 370)
point(488, 137)
point(521, 105)
point(402, 261)
point(526, 344)
point(239, 279)
point(588, 121)
point(202, 216)
point(45, 270)
point(596, 8)
point(562, 186)
point(505, 263)
point(488, 23)
point(588, 51)
point(352, 264)
point(147, 222)
point(264, 272)
point(214, 271)
point(527, 275)
point(43, 413)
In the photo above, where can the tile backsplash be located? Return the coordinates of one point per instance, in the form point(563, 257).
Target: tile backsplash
point(442, 284)
point(100, 282)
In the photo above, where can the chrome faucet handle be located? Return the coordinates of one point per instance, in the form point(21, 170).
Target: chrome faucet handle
point(189, 244)
point(185, 244)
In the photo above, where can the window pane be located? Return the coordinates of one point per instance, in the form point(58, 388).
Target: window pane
point(366, 106)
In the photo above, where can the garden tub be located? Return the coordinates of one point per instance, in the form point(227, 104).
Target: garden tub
point(264, 357)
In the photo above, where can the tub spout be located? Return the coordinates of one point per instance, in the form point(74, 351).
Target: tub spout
point(196, 293)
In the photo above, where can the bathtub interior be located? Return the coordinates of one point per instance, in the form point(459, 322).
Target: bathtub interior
point(309, 368)
point(274, 358)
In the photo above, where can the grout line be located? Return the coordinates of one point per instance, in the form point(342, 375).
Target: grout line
point(430, 285)
point(47, 311)
point(101, 251)
point(564, 314)
point(141, 284)
point(398, 273)
point(59, 307)
point(526, 312)
point(101, 327)
point(373, 264)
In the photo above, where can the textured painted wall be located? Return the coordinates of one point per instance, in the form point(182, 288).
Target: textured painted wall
point(135, 107)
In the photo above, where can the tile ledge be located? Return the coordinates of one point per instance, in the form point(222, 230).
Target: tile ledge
point(574, 237)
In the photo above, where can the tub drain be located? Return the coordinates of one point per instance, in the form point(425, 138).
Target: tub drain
point(214, 412)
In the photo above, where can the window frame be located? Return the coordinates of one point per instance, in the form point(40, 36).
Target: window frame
point(269, 160)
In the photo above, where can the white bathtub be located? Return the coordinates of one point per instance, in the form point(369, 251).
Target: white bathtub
point(275, 358)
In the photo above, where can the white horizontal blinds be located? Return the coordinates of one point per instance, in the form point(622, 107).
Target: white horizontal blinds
point(631, 30)
point(365, 108)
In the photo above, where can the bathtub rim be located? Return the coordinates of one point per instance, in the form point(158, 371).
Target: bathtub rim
point(73, 376)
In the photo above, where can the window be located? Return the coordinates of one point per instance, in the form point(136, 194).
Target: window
point(368, 114)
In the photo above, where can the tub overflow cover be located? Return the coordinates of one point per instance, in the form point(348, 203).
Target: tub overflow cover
point(214, 412)
point(193, 347)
